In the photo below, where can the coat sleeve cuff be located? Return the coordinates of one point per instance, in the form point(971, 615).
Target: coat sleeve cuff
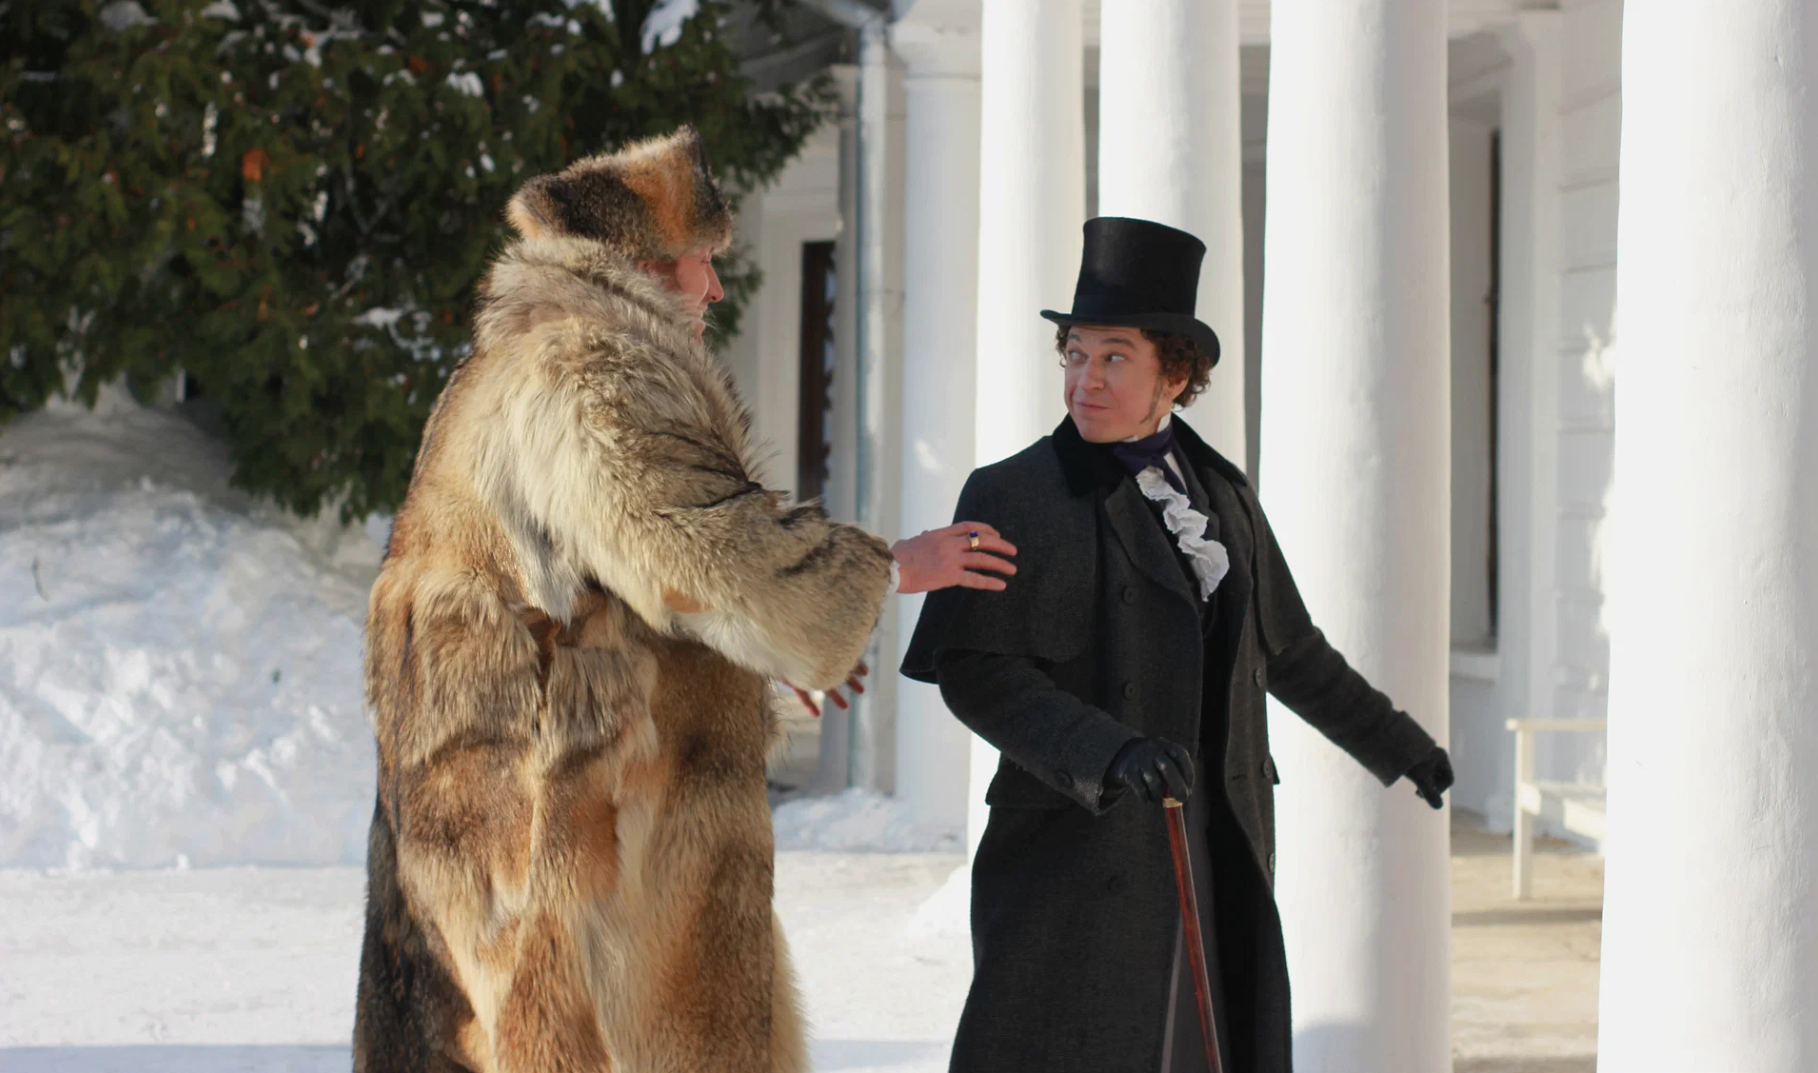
point(1087, 759)
point(1400, 745)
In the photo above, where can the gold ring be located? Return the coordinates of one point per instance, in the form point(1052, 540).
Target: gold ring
point(974, 537)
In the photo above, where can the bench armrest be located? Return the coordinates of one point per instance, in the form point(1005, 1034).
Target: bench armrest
point(1531, 726)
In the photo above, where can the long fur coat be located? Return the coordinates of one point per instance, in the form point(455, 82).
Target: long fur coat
point(569, 650)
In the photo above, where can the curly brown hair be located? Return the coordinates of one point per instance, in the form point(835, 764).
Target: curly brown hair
point(1181, 359)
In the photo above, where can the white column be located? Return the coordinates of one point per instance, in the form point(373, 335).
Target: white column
point(1356, 463)
point(1710, 949)
point(834, 771)
point(940, 295)
point(842, 476)
point(1169, 150)
point(873, 738)
point(1032, 204)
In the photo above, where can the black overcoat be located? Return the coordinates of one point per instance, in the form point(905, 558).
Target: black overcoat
point(1099, 640)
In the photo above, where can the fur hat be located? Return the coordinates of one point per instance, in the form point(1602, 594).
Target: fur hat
point(651, 200)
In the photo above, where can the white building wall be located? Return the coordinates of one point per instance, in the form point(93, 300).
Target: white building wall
point(1590, 114)
point(1473, 682)
point(741, 353)
point(1472, 628)
point(1561, 624)
point(802, 206)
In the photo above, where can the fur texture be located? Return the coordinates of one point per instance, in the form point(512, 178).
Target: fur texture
point(653, 200)
point(568, 654)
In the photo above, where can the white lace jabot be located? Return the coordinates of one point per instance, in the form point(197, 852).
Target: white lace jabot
point(1209, 559)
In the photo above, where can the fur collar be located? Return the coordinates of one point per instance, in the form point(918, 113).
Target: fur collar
point(536, 281)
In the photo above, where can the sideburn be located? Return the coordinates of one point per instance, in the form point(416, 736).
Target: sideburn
point(1155, 403)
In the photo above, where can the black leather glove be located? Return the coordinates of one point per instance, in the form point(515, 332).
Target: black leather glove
point(1432, 777)
point(1154, 767)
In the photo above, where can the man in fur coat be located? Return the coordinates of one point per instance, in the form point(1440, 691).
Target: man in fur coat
point(1132, 654)
point(586, 596)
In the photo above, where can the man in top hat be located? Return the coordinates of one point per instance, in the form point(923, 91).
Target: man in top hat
point(1127, 664)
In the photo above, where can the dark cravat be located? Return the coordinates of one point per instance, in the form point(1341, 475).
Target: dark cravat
point(1138, 455)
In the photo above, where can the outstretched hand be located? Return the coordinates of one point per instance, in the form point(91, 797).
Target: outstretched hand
point(940, 558)
point(1155, 768)
point(1432, 777)
point(853, 688)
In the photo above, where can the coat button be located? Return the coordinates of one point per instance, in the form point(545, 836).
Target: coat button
point(1129, 690)
point(1129, 595)
point(1065, 778)
point(1271, 862)
point(1261, 676)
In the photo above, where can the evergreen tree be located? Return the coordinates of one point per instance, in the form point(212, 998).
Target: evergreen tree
point(290, 201)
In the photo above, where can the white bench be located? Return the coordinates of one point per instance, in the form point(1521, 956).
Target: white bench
point(1577, 807)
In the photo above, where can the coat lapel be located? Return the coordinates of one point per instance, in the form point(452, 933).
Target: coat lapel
point(1091, 471)
point(1224, 484)
point(1199, 495)
point(1144, 541)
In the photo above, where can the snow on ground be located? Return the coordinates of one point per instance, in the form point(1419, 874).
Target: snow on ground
point(857, 820)
point(254, 969)
point(179, 668)
point(180, 700)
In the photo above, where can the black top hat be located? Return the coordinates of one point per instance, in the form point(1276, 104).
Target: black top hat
point(1139, 274)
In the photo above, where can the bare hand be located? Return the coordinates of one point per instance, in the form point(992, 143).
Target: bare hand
point(940, 558)
point(853, 686)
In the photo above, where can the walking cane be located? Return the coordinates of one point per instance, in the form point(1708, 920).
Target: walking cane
point(1189, 922)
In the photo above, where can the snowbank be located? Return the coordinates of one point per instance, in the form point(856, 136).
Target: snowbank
point(179, 668)
point(857, 821)
point(180, 679)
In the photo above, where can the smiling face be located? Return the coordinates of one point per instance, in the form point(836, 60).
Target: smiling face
point(693, 277)
point(1115, 387)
